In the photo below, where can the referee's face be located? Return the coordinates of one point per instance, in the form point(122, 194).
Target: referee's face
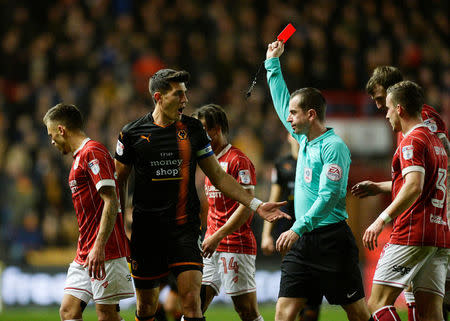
point(298, 118)
point(174, 101)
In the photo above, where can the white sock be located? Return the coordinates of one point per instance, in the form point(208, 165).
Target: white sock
point(409, 297)
point(260, 318)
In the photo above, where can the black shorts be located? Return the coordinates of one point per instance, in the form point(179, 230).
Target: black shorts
point(158, 247)
point(323, 262)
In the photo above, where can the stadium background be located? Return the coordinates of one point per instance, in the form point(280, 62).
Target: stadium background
point(98, 54)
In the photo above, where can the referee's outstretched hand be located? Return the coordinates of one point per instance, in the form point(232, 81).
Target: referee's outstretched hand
point(271, 211)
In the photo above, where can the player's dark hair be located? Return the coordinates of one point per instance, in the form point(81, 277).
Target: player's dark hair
point(311, 98)
point(385, 76)
point(161, 80)
point(65, 114)
point(409, 95)
point(214, 116)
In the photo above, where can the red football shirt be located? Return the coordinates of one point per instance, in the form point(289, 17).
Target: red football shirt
point(237, 164)
point(432, 119)
point(92, 168)
point(424, 223)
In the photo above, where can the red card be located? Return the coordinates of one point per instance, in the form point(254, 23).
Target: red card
point(286, 33)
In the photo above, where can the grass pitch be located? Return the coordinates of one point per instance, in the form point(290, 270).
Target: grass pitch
point(217, 312)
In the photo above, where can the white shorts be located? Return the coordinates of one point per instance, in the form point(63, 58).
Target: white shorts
point(447, 287)
point(425, 267)
point(236, 272)
point(117, 284)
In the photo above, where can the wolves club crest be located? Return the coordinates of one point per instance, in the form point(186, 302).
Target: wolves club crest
point(181, 134)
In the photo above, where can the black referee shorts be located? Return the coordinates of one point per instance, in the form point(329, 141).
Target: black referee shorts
point(323, 262)
point(158, 247)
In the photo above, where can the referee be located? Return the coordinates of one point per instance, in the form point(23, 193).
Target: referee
point(321, 254)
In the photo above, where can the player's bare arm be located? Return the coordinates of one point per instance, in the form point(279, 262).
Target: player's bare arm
point(275, 49)
point(123, 172)
point(232, 189)
point(369, 188)
point(239, 217)
point(95, 261)
point(408, 194)
point(267, 242)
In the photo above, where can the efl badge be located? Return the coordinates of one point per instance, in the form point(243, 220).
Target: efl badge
point(334, 172)
point(244, 176)
point(408, 152)
point(431, 124)
point(94, 165)
point(307, 175)
point(119, 148)
point(182, 135)
point(76, 162)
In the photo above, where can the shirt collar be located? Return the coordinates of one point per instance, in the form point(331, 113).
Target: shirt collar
point(81, 146)
point(417, 126)
point(226, 149)
point(329, 132)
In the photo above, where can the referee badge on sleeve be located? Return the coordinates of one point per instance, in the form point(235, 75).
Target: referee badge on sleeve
point(334, 172)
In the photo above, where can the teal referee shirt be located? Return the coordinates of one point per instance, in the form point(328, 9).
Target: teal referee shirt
point(322, 165)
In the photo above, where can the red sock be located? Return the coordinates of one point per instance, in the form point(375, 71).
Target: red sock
point(412, 316)
point(387, 313)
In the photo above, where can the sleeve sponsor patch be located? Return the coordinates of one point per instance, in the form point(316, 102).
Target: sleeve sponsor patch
point(334, 172)
point(119, 148)
point(408, 152)
point(94, 165)
point(244, 175)
point(431, 124)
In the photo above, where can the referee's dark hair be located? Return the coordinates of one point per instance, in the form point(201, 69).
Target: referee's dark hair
point(312, 98)
point(384, 76)
point(161, 80)
point(214, 116)
point(65, 114)
point(409, 95)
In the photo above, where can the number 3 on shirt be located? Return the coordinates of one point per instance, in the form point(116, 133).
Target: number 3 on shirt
point(440, 186)
point(231, 265)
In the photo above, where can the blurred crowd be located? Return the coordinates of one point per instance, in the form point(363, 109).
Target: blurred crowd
point(99, 54)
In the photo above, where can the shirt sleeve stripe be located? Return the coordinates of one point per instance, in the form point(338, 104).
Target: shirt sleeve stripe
point(410, 169)
point(105, 182)
point(205, 152)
